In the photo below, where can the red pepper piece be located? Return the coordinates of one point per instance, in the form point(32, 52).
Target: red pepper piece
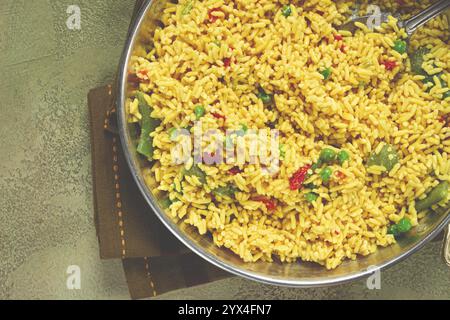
point(338, 37)
point(389, 65)
point(227, 62)
point(271, 204)
point(212, 18)
point(234, 171)
point(218, 116)
point(142, 73)
point(296, 181)
point(341, 175)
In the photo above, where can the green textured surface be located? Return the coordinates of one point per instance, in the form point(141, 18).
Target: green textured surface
point(45, 179)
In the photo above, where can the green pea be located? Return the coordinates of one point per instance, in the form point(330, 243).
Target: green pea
point(343, 156)
point(400, 46)
point(326, 174)
point(393, 229)
point(286, 11)
point(327, 155)
point(404, 225)
point(199, 111)
point(311, 197)
point(326, 73)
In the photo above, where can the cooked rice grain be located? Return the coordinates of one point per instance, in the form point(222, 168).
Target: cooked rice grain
point(361, 105)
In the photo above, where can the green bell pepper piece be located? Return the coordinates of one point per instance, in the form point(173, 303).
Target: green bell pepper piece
point(417, 61)
point(227, 191)
point(439, 193)
point(148, 125)
point(387, 157)
point(197, 172)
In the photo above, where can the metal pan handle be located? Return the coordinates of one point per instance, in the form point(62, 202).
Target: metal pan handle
point(446, 246)
point(419, 20)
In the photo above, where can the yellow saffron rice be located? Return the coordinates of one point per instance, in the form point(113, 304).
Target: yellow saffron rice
point(217, 53)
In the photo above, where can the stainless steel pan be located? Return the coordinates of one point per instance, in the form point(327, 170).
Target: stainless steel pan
point(296, 274)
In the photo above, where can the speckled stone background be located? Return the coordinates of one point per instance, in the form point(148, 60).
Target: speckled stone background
point(46, 207)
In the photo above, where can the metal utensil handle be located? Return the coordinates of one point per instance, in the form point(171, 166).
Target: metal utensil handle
point(137, 7)
point(446, 247)
point(419, 20)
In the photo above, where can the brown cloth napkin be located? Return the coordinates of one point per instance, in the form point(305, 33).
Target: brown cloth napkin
point(155, 262)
